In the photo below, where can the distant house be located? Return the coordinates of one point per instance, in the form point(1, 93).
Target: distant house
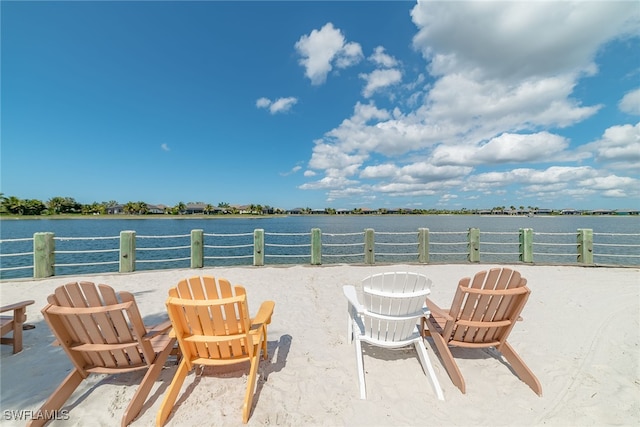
point(115, 210)
point(242, 209)
point(296, 211)
point(195, 208)
point(156, 209)
point(628, 212)
point(603, 212)
point(570, 212)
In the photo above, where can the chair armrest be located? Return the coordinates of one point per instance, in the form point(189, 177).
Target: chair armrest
point(437, 311)
point(352, 297)
point(264, 313)
point(159, 329)
point(15, 306)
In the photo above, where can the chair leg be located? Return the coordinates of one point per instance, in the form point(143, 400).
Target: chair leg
point(360, 363)
point(448, 360)
point(172, 393)
point(58, 397)
point(251, 388)
point(350, 324)
point(144, 388)
point(518, 365)
point(428, 368)
point(18, 320)
point(423, 327)
point(265, 353)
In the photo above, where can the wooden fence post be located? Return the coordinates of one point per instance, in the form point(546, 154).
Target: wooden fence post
point(197, 248)
point(526, 244)
point(369, 244)
point(585, 246)
point(258, 247)
point(43, 255)
point(474, 245)
point(127, 251)
point(316, 246)
point(423, 245)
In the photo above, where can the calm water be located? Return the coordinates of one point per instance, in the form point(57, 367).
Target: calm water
point(499, 239)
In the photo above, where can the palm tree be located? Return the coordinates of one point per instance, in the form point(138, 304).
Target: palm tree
point(129, 207)
point(224, 206)
point(15, 205)
point(33, 207)
point(142, 208)
point(55, 205)
point(179, 208)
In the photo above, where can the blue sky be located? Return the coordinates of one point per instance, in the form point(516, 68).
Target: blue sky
point(323, 104)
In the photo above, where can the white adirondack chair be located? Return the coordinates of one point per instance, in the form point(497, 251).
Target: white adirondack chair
point(393, 304)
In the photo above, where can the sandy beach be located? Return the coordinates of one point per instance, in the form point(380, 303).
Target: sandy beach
point(579, 335)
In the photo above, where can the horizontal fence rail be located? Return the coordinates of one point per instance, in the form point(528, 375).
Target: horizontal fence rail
point(45, 255)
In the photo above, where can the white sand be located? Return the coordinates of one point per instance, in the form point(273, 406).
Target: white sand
point(580, 336)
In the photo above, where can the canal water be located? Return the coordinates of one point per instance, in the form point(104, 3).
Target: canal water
point(613, 235)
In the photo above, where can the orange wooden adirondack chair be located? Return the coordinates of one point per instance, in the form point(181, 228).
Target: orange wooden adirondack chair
point(483, 313)
point(212, 324)
point(14, 324)
point(102, 332)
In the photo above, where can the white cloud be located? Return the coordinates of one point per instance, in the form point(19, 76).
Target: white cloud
point(280, 105)
point(516, 40)
point(551, 175)
point(292, 171)
point(164, 147)
point(263, 103)
point(328, 157)
point(322, 49)
point(381, 58)
point(500, 89)
point(379, 79)
point(619, 147)
point(630, 103)
point(557, 182)
point(328, 182)
point(506, 148)
point(350, 54)
point(379, 171)
point(482, 109)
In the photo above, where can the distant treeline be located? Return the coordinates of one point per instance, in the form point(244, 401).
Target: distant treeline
point(69, 206)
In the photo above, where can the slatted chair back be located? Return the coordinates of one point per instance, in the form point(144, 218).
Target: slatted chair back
point(486, 308)
point(100, 330)
point(211, 321)
point(393, 303)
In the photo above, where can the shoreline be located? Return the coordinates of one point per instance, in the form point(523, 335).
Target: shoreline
point(578, 335)
point(5, 217)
